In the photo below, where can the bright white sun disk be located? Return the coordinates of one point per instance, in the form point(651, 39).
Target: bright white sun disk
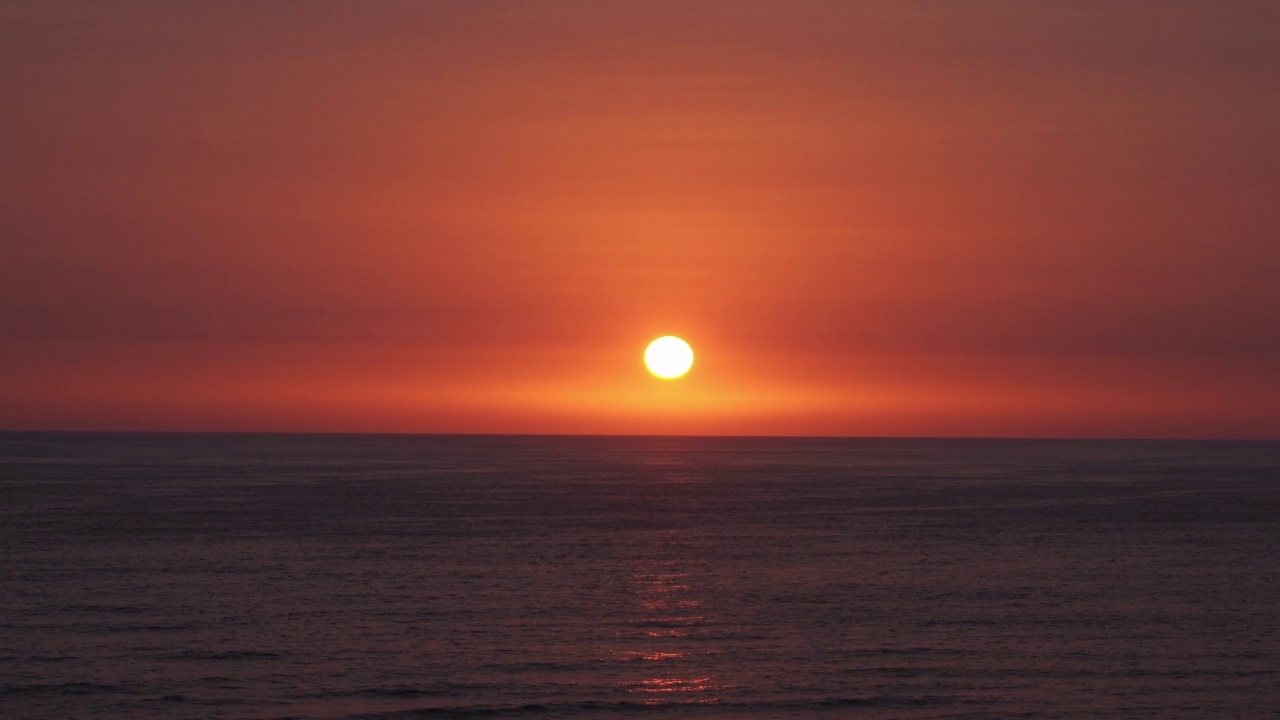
point(668, 357)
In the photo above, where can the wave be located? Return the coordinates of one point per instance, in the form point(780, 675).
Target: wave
point(71, 688)
point(682, 708)
point(222, 655)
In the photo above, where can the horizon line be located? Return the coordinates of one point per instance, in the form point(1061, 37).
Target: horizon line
point(744, 436)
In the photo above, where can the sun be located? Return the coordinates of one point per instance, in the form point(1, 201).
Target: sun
point(668, 357)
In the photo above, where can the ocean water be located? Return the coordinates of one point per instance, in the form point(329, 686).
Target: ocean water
point(279, 576)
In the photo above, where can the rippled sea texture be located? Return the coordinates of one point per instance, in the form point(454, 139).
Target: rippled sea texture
point(261, 576)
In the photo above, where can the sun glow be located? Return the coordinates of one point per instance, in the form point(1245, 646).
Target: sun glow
point(668, 357)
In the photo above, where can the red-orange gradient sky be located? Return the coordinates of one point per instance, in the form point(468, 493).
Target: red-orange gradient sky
point(869, 218)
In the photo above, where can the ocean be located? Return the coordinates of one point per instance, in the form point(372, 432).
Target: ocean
point(380, 576)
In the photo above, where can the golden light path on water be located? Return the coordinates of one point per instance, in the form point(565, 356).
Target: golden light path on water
point(669, 623)
point(669, 618)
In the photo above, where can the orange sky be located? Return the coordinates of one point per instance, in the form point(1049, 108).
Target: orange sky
point(990, 218)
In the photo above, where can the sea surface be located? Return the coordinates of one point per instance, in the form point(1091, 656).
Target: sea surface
point(366, 576)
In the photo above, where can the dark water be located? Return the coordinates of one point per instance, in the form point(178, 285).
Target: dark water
point(400, 576)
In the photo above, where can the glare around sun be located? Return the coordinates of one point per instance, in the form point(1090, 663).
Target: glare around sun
point(668, 357)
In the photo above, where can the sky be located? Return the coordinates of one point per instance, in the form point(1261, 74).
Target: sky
point(1010, 219)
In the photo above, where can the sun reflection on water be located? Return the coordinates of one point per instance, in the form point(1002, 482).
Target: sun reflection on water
point(668, 622)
